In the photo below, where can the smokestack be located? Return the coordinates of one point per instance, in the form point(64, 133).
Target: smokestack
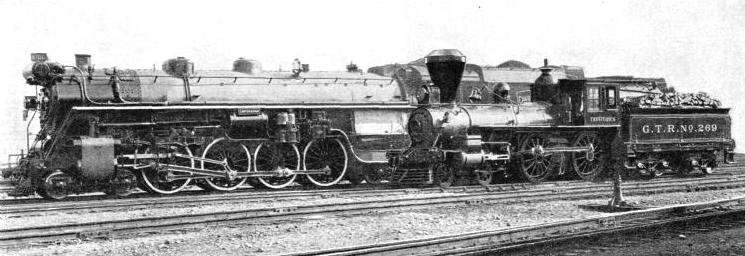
point(445, 67)
point(83, 61)
point(545, 62)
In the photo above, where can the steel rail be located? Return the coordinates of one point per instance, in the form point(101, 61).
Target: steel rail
point(15, 236)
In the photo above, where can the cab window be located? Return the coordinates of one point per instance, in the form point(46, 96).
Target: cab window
point(593, 99)
point(610, 98)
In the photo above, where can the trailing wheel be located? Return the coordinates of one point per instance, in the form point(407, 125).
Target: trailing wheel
point(277, 157)
point(325, 154)
point(155, 179)
point(56, 185)
point(587, 164)
point(535, 165)
point(238, 158)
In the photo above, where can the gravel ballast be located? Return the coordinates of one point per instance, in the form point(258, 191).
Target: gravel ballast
point(318, 232)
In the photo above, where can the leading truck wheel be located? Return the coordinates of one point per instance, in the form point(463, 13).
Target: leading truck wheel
point(56, 186)
point(277, 157)
point(325, 154)
point(587, 164)
point(238, 158)
point(155, 180)
point(535, 164)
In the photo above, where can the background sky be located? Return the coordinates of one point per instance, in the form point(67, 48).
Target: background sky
point(695, 45)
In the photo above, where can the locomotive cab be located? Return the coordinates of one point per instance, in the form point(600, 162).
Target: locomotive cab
point(602, 103)
point(584, 103)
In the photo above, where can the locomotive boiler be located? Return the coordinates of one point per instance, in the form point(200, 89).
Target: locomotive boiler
point(162, 130)
point(559, 131)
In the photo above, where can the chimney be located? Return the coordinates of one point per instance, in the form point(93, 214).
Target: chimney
point(445, 67)
point(83, 61)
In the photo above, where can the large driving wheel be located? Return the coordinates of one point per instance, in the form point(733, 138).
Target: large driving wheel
point(535, 164)
point(155, 180)
point(277, 157)
point(325, 154)
point(587, 164)
point(238, 158)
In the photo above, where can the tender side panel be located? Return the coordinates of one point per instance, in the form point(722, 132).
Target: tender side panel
point(660, 128)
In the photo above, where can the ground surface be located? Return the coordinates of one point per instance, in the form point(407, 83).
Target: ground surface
point(319, 232)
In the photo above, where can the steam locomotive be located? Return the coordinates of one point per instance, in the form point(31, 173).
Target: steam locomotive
point(565, 128)
point(114, 129)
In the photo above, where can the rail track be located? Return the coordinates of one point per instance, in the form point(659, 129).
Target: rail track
point(42, 207)
point(496, 241)
point(35, 208)
point(113, 228)
point(725, 169)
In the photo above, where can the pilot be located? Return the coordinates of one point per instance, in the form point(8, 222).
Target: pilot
point(502, 93)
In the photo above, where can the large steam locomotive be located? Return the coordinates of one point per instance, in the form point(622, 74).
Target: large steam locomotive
point(113, 129)
point(566, 127)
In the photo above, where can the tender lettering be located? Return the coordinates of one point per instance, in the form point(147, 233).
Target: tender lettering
point(602, 119)
point(682, 128)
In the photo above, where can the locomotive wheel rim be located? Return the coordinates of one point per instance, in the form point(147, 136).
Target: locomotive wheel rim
point(586, 165)
point(264, 162)
point(167, 187)
point(235, 161)
point(321, 153)
point(52, 190)
point(535, 167)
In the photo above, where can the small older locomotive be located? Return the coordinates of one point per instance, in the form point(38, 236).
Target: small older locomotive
point(566, 127)
point(113, 129)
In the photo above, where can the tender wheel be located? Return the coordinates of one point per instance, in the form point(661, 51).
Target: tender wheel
point(443, 176)
point(277, 157)
point(238, 158)
point(587, 164)
point(327, 154)
point(155, 180)
point(682, 166)
point(708, 163)
point(535, 164)
point(483, 178)
point(123, 184)
point(56, 186)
